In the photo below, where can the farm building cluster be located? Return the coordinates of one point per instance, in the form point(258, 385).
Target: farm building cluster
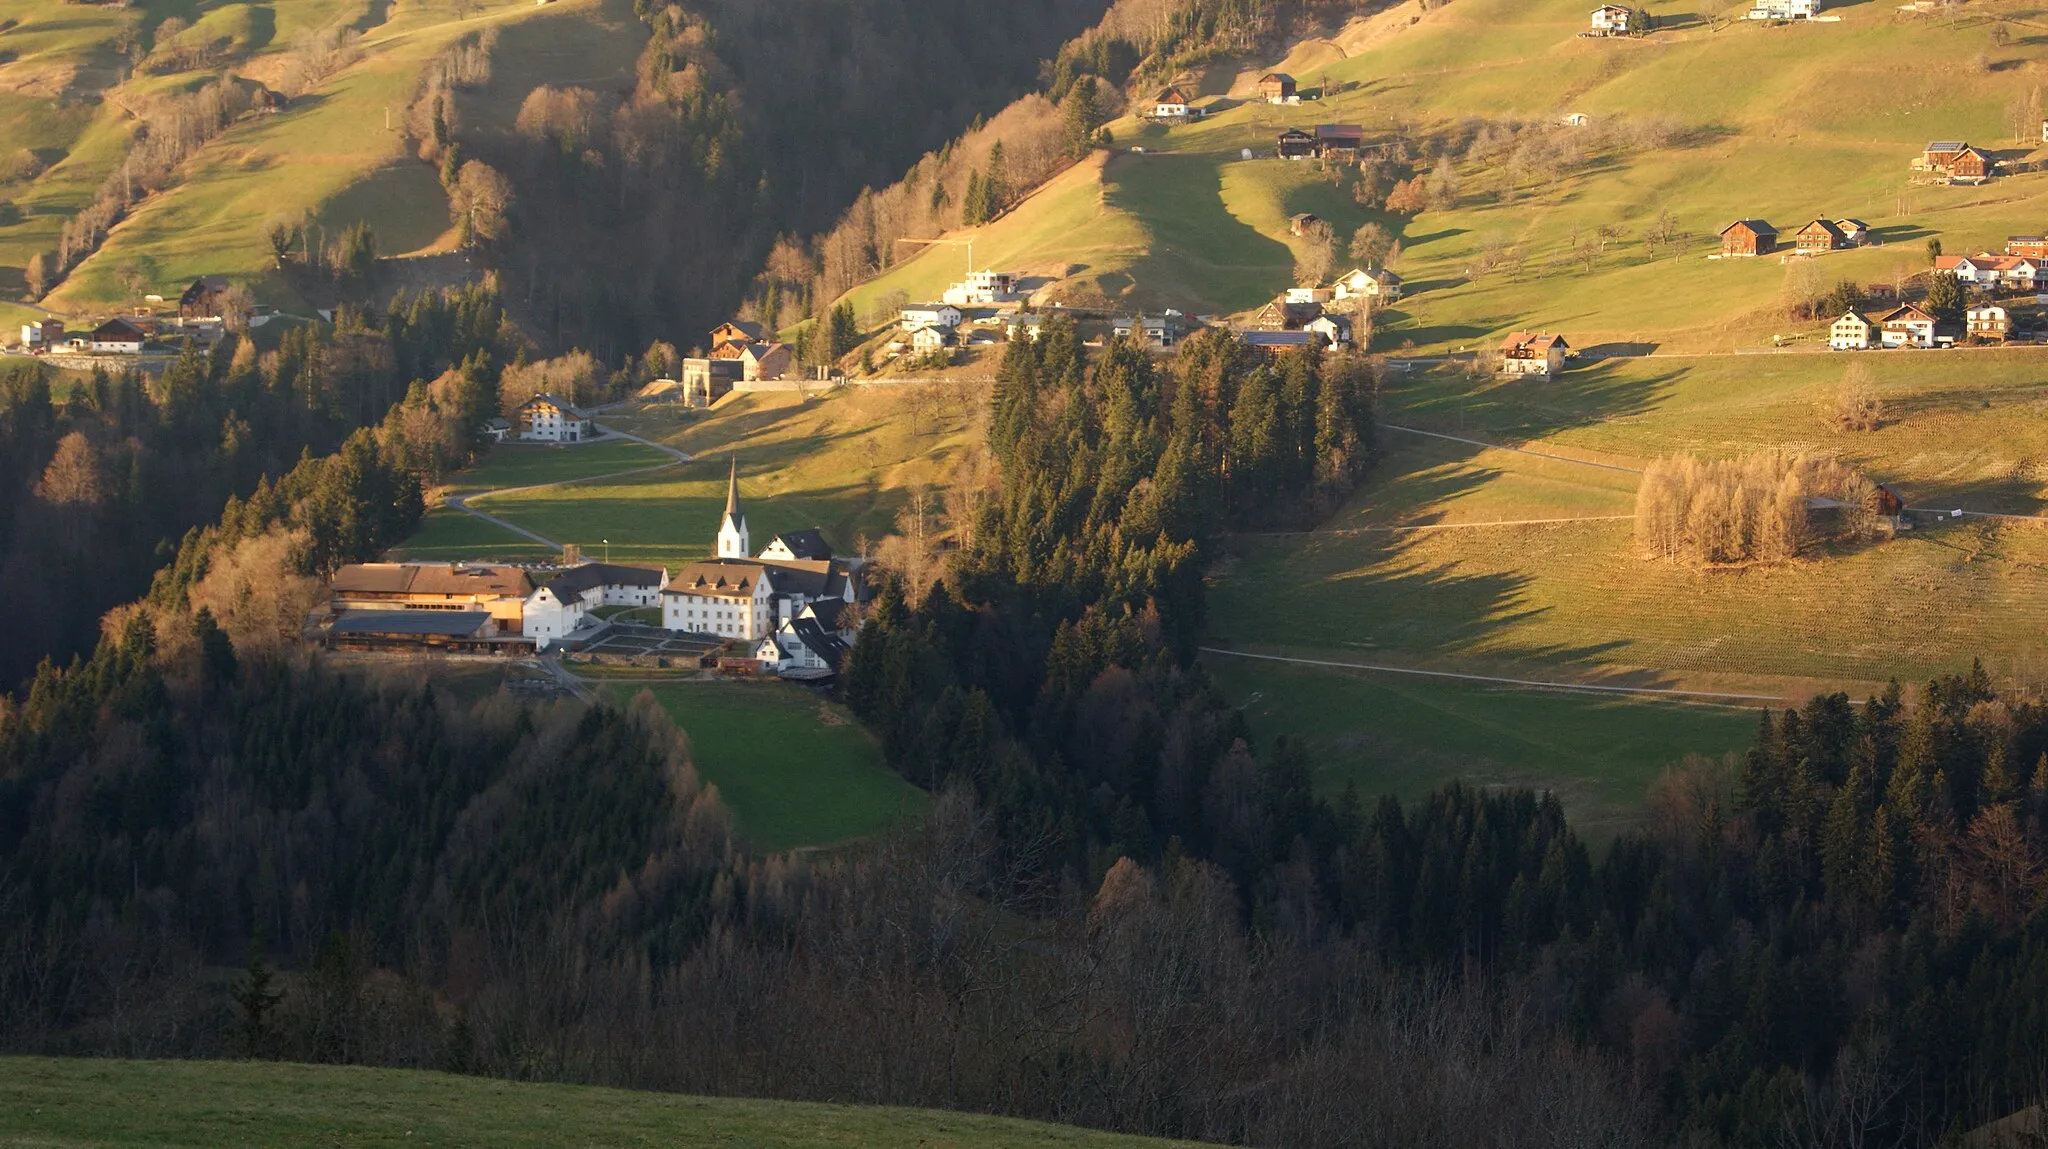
point(1753, 237)
point(205, 310)
point(788, 609)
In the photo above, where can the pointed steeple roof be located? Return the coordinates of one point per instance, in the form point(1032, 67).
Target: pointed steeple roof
point(732, 491)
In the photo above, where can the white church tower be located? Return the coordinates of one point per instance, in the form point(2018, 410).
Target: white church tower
point(732, 531)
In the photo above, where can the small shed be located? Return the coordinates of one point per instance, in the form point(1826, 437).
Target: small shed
point(1301, 223)
point(1278, 88)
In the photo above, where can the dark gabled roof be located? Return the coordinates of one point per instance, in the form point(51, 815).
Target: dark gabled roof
point(826, 611)
point(812, 578)
point(747, 327)
point(1276, 77)
point(1825, 225)
point(1856, 315)
point(451, 623)
point(1277, 338)
point(203, 286)
point(1947, 146)
point(117, 330)
point(1171, 96)
point(578, 579)
point(1759, 226)
point(553, 399)
point(1297, 134)
point(1327, 132)
point(808, 543)
point(819, 641)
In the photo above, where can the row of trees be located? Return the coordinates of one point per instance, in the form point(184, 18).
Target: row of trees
point(1764, 507)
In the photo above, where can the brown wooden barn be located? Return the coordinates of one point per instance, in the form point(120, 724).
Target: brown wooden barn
point(1277, 88)
point(1749, 237)
point(1818, 236)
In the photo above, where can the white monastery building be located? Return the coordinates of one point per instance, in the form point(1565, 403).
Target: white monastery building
point(734, 596)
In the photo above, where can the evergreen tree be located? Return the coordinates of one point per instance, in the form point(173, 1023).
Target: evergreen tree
point(974, 204)
point(995, 187)
point(1081, 115)
point(254, 997)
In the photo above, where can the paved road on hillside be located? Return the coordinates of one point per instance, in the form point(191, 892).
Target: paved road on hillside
point(462, 502)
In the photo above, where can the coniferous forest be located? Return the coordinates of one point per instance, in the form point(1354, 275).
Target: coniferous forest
point(1127, 909)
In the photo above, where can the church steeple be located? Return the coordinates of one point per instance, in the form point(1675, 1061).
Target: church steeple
point(732, 530)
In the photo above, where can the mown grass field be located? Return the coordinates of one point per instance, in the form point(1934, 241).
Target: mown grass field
point(1415, 571)
point(843, 462)
point(60, 1104)
point(1391, 734)
point(794, 770)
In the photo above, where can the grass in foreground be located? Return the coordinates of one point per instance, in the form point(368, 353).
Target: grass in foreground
point(62, 1103)
point(796, 771)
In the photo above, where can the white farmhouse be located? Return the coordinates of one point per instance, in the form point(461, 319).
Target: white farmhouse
point(1611, 20)
point(1171, 104)
point(1852, 332)
point(1376, 283)
point(929, 315)
point(982, 288)
point(548, 419)
point(117, 337)
point(1784, 9)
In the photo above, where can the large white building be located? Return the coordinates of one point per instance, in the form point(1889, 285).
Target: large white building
point(548, 419)
point(735, 596)
point(563, 603)
point(1784, 9)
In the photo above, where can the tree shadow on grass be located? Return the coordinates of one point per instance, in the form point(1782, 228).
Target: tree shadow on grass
point(1215, 259)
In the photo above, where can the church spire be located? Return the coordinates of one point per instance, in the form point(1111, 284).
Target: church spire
point(732, 529)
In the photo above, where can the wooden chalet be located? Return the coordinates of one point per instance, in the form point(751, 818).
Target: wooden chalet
point(1340, 141)
point(1278, 88)
point(735, 332)
point(1955, 159)
point(1749, 237)
point(206, 298)
point(1296, 144)
point(1170, 104)
point(1819, 236)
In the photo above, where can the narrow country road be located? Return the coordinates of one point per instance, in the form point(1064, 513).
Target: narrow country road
point(463, 502)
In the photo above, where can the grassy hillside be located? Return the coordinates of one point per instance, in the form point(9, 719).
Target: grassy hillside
point(1787, 123)
point(62, 1103)
point(334, 155)
point(843, 462)
point(1708, 120)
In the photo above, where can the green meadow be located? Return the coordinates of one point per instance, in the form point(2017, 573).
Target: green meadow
point(333, 157)
point(1787, 123)
point(62, 1103)
point(794, 770)
point(845, 462)
point(1407, 736)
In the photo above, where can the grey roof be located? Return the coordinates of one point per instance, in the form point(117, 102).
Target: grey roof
point(808, 543)
point(568, 408)
point(732, 491)
point(819, 641)
point(1277, 338)
point(450, 623)
point(827, 612)
point(578, 579)
point(811, 578)
point(1759, 226)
